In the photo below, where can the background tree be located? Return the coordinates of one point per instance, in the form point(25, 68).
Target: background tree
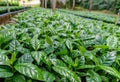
point(46, 1)
point(69, 3)
point(114, 5)
point(73, 6)
point(90, 6)
point(54, 5)
point(42, 3)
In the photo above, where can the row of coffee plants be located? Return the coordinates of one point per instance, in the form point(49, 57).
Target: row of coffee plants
point(93, 15)
point(12, 8)
point(3, 3)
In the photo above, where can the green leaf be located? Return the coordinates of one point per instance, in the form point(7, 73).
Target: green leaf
point(35, 43)
point(49, 49)
point(41, 57)
point(19, 78)
point(91, 56)
point(108, 59)
point(13, 58)
point(111, 71)
point(29, 80)
point(82, 49)
point(86, 67)
point(52, 30)
point(13, 45)
point(104, 78)
point(48, 77)
point(47, 61)
point(58, 62)
point(81, 60)
point(30, 70)
point(61, 50)
point(69, 45)
point(23, 50)
point(49, 40)
point(67, 59)
point(5, 36)
point(5, 73)
point(112, 42)
point(101, 46)
point(76, 62)
point(4, 59)
point(93, 77)
point(64, 71)
point(26, 58)
point(4, 52)
point(38, 56)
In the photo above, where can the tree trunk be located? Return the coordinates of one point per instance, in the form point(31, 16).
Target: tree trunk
point(73, 6)
point(46, 1)
point(54, 5)
point(90, 6)
point(42, 2)
point(115, 1)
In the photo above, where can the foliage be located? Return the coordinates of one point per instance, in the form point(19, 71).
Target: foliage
point(59, 47)
point(12, 8)
point(94, 15)
point(59, 3)
point(3, 3)
point(98, 4)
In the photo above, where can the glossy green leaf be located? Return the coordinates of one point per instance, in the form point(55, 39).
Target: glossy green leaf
point(62, 50)
point(23, 50)
point(35, 43)
point(26, 58)
point(13, 45)
point(67, 59)
point(48, 77)
point(111, 71)
point(19, 78)
point(86, 67)
point(49, 40)
point(101, 46)
point(30, 70)
point(46, 60)
point(108, 59)
point(69, 45)
point(104, 78)
point(5, 36)
point(49, 49)
point(112, 42)
point(82, 49)
point(4, 52)
point(64, 71)
point(4, 59)
point(93, 77)
point(13, 58)
point(58, 62)
point(52, 30)
point(91, 56)
point(4, 73)
point(38, 56)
